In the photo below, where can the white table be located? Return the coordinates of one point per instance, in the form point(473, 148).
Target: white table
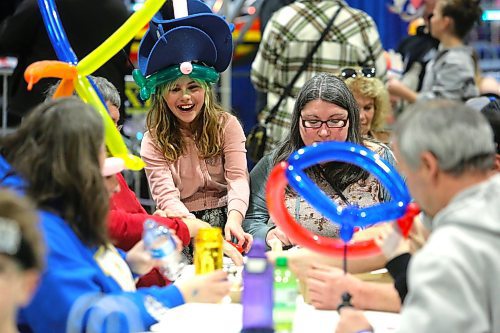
point(226, 318)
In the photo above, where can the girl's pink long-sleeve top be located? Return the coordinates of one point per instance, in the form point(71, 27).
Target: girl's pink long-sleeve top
point(192, 183)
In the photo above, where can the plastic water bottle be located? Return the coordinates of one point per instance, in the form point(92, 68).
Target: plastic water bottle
point(257, 298)
point(285, 296)
point(159, 242)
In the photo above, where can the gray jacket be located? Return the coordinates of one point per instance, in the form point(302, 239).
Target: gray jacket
point(454, 280)
point(450, 75)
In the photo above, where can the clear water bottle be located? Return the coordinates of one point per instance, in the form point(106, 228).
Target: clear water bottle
point(159, 242)
point(285, 296)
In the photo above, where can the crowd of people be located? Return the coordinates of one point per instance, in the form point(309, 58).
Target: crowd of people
point(71, 228)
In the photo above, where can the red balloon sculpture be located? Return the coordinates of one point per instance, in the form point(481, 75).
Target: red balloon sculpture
point(275, 196)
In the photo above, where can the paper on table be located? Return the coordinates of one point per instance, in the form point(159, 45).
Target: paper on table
point(198, 317)
point(226, 318)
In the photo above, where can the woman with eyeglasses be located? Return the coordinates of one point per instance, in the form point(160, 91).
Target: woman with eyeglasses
point(374, 106)
point(325, 110)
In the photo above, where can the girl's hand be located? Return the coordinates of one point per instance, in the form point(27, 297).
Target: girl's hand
point(234, 229)
point(232, 252)
point(194, 225)
point(206, 288)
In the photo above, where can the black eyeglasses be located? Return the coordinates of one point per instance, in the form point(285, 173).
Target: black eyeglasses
point(315, 123)
point(346, 73)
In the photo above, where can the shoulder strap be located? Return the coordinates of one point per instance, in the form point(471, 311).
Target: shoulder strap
point(304, 65)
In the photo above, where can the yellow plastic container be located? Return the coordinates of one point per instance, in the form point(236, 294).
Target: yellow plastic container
point(208, 250)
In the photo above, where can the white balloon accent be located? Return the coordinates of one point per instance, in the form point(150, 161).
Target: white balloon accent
point(186, 68)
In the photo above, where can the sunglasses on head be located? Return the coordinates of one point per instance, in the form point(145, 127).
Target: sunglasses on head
point(346, 73)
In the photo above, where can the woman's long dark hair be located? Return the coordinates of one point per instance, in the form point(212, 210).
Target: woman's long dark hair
point(56, 150)
point(331, 89)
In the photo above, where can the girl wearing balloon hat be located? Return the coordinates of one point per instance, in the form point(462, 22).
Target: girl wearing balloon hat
point(194, 150)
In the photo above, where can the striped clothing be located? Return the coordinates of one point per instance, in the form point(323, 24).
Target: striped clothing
point(290, 35)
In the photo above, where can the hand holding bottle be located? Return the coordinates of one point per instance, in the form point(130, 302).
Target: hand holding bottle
point(165, 247)
point(139, 259)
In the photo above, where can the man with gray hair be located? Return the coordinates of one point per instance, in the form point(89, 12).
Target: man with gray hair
point(446, 151)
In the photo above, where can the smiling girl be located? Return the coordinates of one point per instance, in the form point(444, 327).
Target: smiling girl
point(195, 157)
point(194, 151)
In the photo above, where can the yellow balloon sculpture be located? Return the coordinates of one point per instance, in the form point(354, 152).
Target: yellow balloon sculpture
point(75, 76)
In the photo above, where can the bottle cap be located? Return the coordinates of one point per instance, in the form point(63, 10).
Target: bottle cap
point(281, 262)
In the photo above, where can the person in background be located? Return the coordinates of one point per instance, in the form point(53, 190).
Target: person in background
point(454, 183)
point(451, 73)
point(492, 113)
point(419, 49)
point(87, 23)
point(266, 10)
point(289, 36)
point(21, 256)
point(194, 150)
point(373, 103)
point(55, 157)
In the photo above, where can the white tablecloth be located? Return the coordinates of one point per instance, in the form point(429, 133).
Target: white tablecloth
point(226, 318)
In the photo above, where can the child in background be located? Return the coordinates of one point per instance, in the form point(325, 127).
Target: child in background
point(21, 254)
point(451, 73)
point(194, 150)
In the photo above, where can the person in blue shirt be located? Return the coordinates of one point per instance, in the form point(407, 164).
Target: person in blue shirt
point(21, 256)
point(55, 158)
